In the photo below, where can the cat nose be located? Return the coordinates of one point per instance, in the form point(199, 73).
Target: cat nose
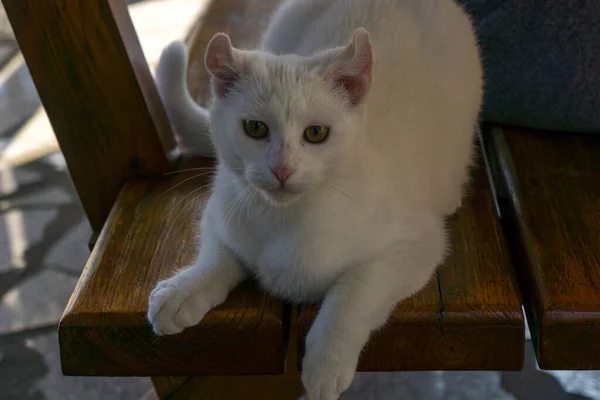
point(282, 173)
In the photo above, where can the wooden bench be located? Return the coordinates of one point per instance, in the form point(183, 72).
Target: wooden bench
point(86, 62)
point(548, 186)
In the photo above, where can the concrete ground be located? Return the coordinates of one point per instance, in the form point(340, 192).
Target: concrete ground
point(43, 248)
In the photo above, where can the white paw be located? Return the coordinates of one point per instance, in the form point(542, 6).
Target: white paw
point(175, 305)
point(326, 372)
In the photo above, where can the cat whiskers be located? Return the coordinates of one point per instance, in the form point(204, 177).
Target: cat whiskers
point(209, 169)
point(352, 199)
point(180, 226)
point(195, 191)
point(242, 202)
point(237, 202)
point(332, 210)
point(189, 169)
point(186, 180)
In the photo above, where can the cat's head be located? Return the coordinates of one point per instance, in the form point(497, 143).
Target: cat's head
point(285, 123)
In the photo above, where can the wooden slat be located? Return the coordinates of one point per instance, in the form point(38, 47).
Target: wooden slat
point(149, 234)
point(104, 331)
point(93, 80)
point(286, 386)
point(549, 186)
point(469, 316)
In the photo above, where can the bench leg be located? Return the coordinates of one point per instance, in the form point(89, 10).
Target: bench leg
point(286, 386)
point(258, 387)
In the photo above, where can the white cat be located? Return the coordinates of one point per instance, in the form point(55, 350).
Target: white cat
point(341, 143)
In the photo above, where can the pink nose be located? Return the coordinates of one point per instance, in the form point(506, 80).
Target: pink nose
point(282, 173)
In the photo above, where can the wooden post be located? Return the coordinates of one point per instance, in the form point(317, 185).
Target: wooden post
point(93, 80)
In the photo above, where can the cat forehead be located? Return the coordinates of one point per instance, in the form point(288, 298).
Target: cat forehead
point(281, 78)
point(286, 87)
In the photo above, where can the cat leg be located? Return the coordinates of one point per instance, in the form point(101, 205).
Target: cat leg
point(358, 303)
point(183, 300)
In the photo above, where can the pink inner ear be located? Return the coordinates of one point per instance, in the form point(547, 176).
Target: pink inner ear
point(220, 62)
point(356, 87)
point(353, 72)
point(213, 62)
point(224, 82)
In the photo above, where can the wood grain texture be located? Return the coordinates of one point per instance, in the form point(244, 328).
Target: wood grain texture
point(286, 386)
point(468, 317)
point(88, 67)
point(150, 233)
point(549, 186)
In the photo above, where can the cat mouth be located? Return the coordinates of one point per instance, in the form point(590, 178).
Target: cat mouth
point(280, 196)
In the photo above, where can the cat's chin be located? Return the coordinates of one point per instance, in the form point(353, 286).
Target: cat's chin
point(279, 197)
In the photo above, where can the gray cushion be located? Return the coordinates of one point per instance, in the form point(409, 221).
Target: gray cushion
point(542, 62)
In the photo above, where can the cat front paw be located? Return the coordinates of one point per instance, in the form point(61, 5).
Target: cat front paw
point(326, 372)
point(174, 306)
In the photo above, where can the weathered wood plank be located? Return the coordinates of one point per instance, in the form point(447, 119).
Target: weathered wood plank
point(151, 232)
point(549, 187)
point(286, 386)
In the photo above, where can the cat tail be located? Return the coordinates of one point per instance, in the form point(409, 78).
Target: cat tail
point(189, 120)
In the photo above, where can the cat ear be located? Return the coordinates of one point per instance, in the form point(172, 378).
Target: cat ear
point(221, 63)
point(352, 69)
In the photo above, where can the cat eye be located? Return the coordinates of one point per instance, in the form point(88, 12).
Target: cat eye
point(256, 129)
point(316, 134)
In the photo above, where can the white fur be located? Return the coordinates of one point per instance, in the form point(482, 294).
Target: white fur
point(361, 226)
point(184, 113)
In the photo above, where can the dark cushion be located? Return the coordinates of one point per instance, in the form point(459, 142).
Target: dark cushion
point(542, 62)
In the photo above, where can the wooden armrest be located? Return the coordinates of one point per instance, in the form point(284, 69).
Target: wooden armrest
point(104, 330)
point(89, 70)
point(151, 232)
point(469, 316)
point(549, 189)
